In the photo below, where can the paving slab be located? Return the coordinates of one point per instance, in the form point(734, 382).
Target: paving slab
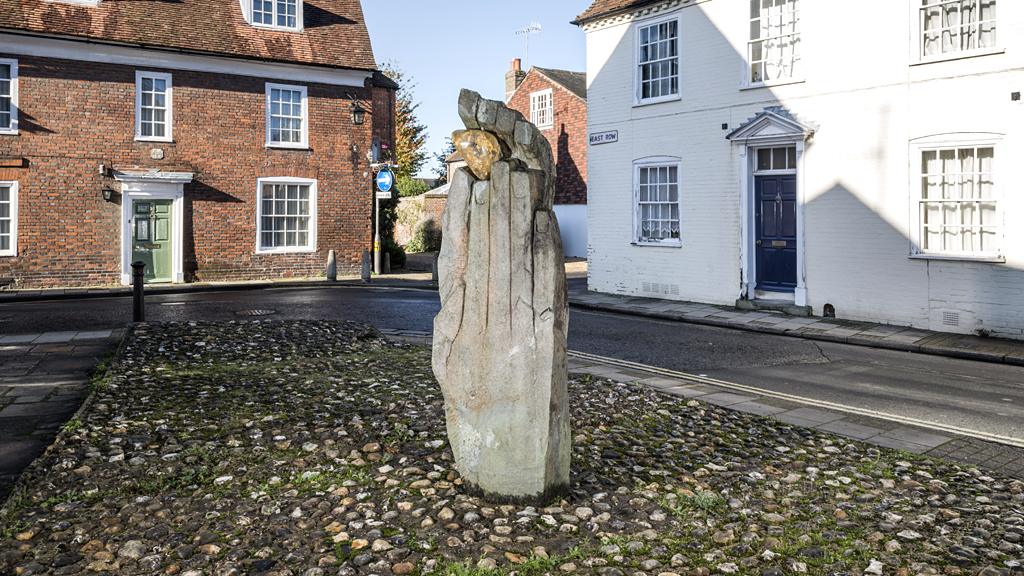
point(54, 337)
point(851, 430)
point(726, 398)
point(917, 436)
point(18, 338)
point(815, 415)
point(758, 408)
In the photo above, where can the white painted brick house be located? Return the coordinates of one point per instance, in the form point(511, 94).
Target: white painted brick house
point(865, 157)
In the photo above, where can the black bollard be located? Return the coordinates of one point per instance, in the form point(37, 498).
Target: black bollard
point(364, 273)
point(138, 305)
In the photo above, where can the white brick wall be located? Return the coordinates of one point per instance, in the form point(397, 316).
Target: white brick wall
point(868, 99)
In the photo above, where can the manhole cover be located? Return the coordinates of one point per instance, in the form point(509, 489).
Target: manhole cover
point(256, 312)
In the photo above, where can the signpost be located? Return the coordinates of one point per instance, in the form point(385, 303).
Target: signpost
point(385, 182)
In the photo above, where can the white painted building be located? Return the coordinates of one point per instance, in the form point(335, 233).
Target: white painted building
point(863, 157)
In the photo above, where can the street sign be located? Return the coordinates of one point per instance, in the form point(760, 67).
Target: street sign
point(383, 195)
point(385, 181)
point(604, 137)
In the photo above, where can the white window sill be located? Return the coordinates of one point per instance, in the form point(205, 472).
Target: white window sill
point(286, 146)
point(992, 259)
point(275, 28)
point(678, 244)
point(273, 251)
point(958, 56)
point(157, 140)
point(772, 84)
point(8, 132)
point(653, 101)
point(546, 127)
point(8, 254)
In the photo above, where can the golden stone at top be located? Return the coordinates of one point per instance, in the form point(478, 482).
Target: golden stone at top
point(480, 150)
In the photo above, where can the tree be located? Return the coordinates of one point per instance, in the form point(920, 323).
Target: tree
point(410, 135)
point(409, 186)
point(441, 159)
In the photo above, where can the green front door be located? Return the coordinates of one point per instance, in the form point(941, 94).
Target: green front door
point(151, 239)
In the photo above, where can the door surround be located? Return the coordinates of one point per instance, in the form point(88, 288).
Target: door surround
point(153, 185)
point(773, 127)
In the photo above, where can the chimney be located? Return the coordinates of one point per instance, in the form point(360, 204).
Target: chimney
point(513, 78)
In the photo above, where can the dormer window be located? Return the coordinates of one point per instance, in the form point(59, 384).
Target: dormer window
point(285, 14)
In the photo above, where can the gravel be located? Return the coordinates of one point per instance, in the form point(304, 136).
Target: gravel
point(316, 448)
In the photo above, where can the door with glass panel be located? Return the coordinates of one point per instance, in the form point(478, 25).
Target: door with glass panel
point(152, 243)
point(7, 223)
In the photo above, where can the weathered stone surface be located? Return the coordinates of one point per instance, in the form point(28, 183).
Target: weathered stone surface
point(480, 150)
point(500, 338)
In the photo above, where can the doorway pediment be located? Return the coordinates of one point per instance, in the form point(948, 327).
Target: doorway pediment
point(772, 124)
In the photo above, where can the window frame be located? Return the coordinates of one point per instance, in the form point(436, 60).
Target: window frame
point(12, 130)
point(303, 144)
point(534, 96)
point(250, 7)
point(168, 117)
point(656, 162)
point(638, 99)
point(13, 250)
point(747, 83)
point(920, 58)
point(311, 245)
point(916, 197)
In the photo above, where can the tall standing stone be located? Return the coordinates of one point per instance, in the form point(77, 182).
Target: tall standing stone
point(500, 338)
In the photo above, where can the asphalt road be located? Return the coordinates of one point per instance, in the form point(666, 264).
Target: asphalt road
point(973, 395)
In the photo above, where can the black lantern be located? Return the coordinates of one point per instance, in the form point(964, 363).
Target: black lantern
point(108, 193)
point(358, 114)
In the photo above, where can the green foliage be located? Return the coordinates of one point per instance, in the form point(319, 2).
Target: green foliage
point(440, 162)
point(408, 186)
point(426, 238)
point(410, 135)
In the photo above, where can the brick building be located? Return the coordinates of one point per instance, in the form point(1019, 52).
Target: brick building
point(556, 102)
point(212, 139)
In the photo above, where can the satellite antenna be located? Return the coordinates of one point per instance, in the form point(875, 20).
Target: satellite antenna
point(533, 28)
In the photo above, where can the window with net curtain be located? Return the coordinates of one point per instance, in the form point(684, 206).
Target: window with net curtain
point(959, 210)
point(285, 217)
point(774, 48)
point(951, 26)
point(658, 204)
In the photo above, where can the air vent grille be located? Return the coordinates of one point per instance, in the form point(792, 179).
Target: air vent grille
point(659, 289)
point(951, 319)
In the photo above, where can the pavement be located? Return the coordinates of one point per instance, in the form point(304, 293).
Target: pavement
point(822, 329)
point(805, 413)
point(45, 378)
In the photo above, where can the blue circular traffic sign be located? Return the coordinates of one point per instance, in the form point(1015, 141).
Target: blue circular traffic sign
point(385, 180)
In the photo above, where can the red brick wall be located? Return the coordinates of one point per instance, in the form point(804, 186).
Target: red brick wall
point(568, 136)
point(75, 116)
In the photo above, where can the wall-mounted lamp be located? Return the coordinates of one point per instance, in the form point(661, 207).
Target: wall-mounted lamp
point(358, 113)
point(108, 193)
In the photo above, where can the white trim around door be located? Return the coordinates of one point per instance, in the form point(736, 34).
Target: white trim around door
point(153, 186)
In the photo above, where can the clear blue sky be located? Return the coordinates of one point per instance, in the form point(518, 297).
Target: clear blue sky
point(446, 45)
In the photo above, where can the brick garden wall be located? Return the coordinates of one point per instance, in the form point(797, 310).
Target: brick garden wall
point(75, 116)
point(568, 136)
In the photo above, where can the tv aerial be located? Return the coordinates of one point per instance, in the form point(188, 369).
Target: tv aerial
point(533, 28)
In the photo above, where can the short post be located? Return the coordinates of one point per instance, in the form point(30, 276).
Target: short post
point(387, 263)
point(138, 278)
point(433, 268)
point(365, 271)
point(332, 266)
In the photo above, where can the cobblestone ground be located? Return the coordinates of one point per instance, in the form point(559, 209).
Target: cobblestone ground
point(316, 448)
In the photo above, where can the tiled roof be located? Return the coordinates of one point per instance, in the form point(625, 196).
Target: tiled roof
point(607, 7)
point(575, 82)
point(334, 33)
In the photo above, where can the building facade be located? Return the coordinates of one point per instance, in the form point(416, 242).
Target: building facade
point(213, 140)
point(556, 102)
point(858, 162)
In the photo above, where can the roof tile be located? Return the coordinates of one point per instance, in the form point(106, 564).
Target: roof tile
point(334, 31)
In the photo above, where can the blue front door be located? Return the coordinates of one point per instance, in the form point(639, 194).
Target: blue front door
point(775, 241)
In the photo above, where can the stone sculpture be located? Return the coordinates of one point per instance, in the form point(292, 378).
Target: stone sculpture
point(500, 338)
